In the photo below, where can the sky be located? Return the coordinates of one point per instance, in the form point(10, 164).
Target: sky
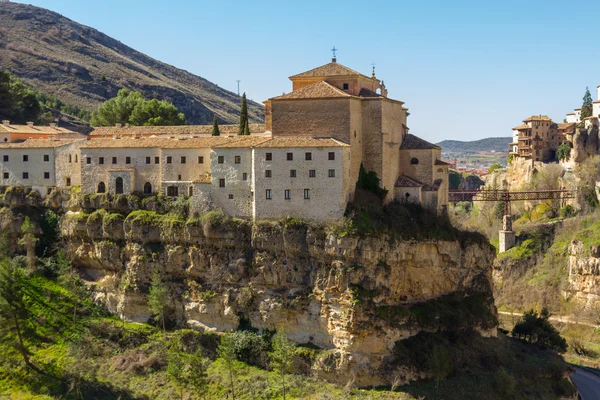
point(465, 69)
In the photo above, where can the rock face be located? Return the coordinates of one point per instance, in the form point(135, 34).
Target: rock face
point(348, 295)
point(584, 274)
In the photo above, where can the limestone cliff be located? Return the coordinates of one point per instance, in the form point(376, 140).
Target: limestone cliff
point(352, 296)
point(584, 274)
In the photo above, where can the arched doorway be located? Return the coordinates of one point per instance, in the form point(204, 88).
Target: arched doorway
point(147, 188)
point(119, 185)
point(101, 187)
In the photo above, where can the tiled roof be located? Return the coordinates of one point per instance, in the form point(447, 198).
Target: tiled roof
point(319, 90)
point(521, 127)
point(566, 125)
point(364, 92)
point(405, 181)
point(300, 141)
point(163, 143)
point(538, 118)
point(39, 144)
point(241, 142)
point(191, 130)
point(571, 114)
point(331, 69)
point(412, 142)
point(37, 130)
point(440, 162)
point(597, 101)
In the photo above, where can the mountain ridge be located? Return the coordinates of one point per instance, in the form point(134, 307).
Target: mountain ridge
point(499, 144)
point(85, 67)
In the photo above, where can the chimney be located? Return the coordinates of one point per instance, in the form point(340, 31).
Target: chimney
point(118, 125)
point(30, 124)
point(53, 125)
point(6, 122)
point(127, 125)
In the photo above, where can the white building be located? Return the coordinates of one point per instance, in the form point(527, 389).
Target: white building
point(41, 164)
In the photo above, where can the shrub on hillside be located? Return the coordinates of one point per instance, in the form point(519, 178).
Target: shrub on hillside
point(536, 328)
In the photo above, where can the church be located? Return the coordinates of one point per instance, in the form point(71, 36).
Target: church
point(303, 162)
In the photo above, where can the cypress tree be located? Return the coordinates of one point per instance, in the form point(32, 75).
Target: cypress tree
point(243, 115)
point(246, 128)
point(587, 107)
point(215, 128)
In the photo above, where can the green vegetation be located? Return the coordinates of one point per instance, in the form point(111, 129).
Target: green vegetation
point(18, 103)
point(587, 106)
point(494, 167)
point(215, 127)
point(243, 128)
point(158, 299)
point(52, 102)
point(133, 108)
point(563, 153)
point(536, 328)
point(369, 181)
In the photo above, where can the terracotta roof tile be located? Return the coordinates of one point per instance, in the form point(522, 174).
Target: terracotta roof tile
point(319, 90)
point(40, 143)
point(566, 125)
point(521, 127)
point(33, 130)
point(364, 92)
point(242, 142)
point(405, 181)
point(440, 162)
point(412, 142)
point(191, 130)
point(301, 141)
point(538, 118)
point(331, 69)
point(162, 143)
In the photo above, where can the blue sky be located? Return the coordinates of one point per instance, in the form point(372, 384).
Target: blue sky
point(465, 69)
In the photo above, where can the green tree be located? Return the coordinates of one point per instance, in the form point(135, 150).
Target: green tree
point(440, 363)
point(282, 356)
point(370, 181)
point(215, 128)
point(177, 370)
point(29, 241)
point(226, 351)
point(536, 328)
point(133, 108)
point(198, 375)
point(158, 299)
point(15, 315)
point(18, 103)
point(243, 116)
point(563, 153)
point(494, 167)
point(246, 128)
point(587, 107)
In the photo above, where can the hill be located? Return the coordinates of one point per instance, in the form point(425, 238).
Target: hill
point(499, 144)
point(83, 67)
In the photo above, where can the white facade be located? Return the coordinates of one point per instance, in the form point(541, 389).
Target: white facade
point(572, 118)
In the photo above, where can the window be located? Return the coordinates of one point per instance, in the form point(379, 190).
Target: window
point(156, 160)
point(68, 181)
point(75, 157)
point(26, 158)
point(190, 191)
point(172, 191)
point(101, 160)
point(440, 170)
point(312, 173)
point(200, 159)
point(183, 160)
point(230, 197)
point(5, 175)
point(114, 160)
point(331, 173)
point(331, 155)
point(119, 185)
point(286, 194)
point(220, 159)
point(244, 176)
point(306, 194)
point(127, 160)
point(346, 86)
point(101, 187)
point(268, 194)
point(269, 156)
point(148, 160)
point(5, 158)
point(46, 157)
point(221, 182)
point(70, 158)
point(89, 160)
point(414, 161)
point(292, 173)
point(25, 175)
point(290, 156)
point(268, 173)
point(46, 175)
point(308, 156)
point(147, 188)
point(237, 159)
point(179, 177)
point(169, 160)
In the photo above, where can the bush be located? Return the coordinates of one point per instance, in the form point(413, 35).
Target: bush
point(536, 328)
point(566, 212)
point(505, 383)
point(250, 348)
point(563, 153)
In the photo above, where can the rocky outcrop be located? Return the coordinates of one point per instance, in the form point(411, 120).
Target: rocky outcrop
point(584, 274)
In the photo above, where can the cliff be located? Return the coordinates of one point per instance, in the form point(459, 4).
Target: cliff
point(355, 297)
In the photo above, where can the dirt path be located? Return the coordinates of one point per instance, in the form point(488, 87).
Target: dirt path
point(564, 320)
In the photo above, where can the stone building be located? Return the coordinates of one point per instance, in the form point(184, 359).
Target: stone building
point(126, 131)
point(41, 164)
point(12, 133)
point(538, 138)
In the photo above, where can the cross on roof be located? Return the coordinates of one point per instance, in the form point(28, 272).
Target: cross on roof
point(373, 65)
point(334, 50)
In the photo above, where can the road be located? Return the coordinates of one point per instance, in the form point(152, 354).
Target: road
point(564, 320)
point(587, 383)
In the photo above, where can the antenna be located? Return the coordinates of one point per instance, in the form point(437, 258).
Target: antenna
point(238, 82)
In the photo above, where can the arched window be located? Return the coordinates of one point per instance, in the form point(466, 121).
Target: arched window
point(414, 161)
point(101, 187)
point(119, 185)
point(6, 139)
point(147, 188)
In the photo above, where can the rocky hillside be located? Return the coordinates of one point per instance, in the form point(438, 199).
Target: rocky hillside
point(84, 67)
point(499, 144)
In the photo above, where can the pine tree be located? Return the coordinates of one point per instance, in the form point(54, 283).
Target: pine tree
point(29, 241)
point(158, 299)
point(226, 351)
point(282, 356)
point(215, 128)
point(243, 116)
point(198, 376)
point(587, 107)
